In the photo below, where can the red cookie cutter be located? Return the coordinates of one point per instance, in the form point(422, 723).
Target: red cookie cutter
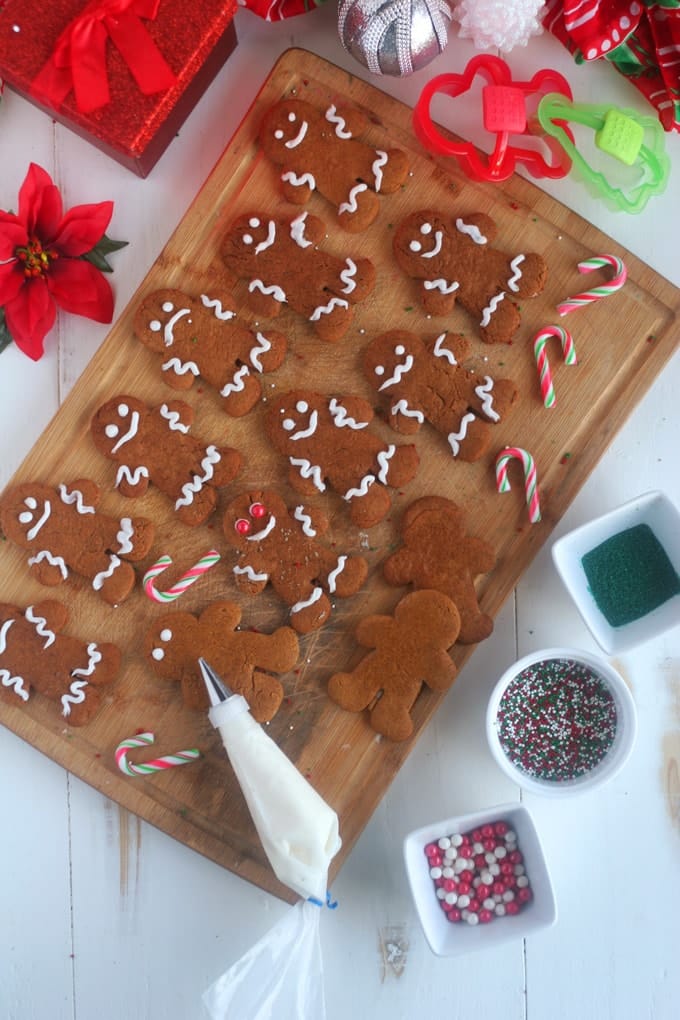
point(506, 111)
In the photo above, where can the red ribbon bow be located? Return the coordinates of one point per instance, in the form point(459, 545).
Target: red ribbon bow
point(78, 60)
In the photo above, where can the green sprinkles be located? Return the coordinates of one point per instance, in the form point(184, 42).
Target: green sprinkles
point(556, 720)
point(629, 575)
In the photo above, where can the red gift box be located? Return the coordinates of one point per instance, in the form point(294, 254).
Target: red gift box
point(142, 64)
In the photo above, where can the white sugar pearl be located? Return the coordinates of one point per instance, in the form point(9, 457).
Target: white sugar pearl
point(476, 881)
point(500, 852)
point(477, 848)
point(451, 898)
point(472, 918)
point(489, 857)
point(522, 881)
point(497, 898)
point(451, 853)
point(464, 900)
point(508, 896)
point(469, 863)
point(510, 836)
point(448, 872)
point(489, 903)
point(486, 877)
point(464, 914)
point(495, 869)
point(444, 843)
point(435, 872)
point(459, 865)
point(518, 869)
point(441, 893)
point(499, 910)
point(457, 839)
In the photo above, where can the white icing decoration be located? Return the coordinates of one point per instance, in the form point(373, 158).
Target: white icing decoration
point(299, 138)
point(297, 230)
point(277, 293)
point(302, 407)
point(364, 486)
point(304, 603)
point(335, 302)
point(311, 427)
point(426, 228)
point(75, 496)
point(288, 424)
point(190, 489)
point(292, 178)
point(31, 502)
point(341, 129)
point(167, 306)
point(131, 475)
point(278, 134)
point(334, 574)
point(76, 693)
point(123, 410)
point(350, 205)
point(513, 282)
point(384, 458)
point(250, 573)
point(26, 517)
point(483, 391)
point(380, 370)
point(415, 246)
point(456, 438)
point(94, 657)
point(175, 423)
point(165, 634)
point(103, 575)
point(305, 520)
point(6, 678)
point(441, 285)
point(54, 561)
point(260, 535)
point(308, 470)
point(158, 654)
point(155, 326)
point(262, 347)
point(3, 635)
point(438, 239)
point(254, 222)
point(377, 166)
point(168, 335)
point(347, 276)
point(131, 432)
point(269, 239)
point(40, 624)
point(401, 407)
point(399, 371)
point(471, 230)
point(340, 417)
point(248, 238)
point(491, 308)
point(124, 536)
point(180, 367)
point(237, 385)
point(32, 532)
point(443, 352)
point(222, 314)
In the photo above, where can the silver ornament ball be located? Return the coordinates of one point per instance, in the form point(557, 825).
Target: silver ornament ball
point(394, 36)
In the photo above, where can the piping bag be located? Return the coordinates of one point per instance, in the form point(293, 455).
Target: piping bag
point(282, 975)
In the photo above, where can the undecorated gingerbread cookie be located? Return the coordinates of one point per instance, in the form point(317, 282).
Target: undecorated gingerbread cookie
point(425, 381)
point(280, 546)
point(247, 659)
point(35, 655)
point(329, 441)
point(66, 533)
point(202, 338)
point(437, 552)
point(153, 445)
point(321, 151)
point(454, 261)
point(410, 648)
point(283, 264)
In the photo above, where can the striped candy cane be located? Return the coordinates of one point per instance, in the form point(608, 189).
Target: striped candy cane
point(168, 761)
point(568, 352)
point(185, 581)
point(587, 266)
point(530, 481)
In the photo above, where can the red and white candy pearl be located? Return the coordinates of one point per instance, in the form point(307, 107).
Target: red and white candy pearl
point(479, 876)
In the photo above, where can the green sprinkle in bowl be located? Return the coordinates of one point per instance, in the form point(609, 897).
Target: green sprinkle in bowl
point(623, 571)
point(561, 721)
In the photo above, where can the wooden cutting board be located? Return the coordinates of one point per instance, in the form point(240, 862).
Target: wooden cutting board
point(622, 344)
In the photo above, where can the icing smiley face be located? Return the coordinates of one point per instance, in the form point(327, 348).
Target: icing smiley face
point(428, 241)
point(289, 129)
point(300, 422)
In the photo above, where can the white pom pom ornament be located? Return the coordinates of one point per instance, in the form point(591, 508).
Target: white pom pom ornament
point(500, 24)
point(394, 37)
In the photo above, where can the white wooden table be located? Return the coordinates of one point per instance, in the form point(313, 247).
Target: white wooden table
point(103, 916)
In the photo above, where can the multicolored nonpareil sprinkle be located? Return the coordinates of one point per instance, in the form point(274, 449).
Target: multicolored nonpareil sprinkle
point(556, 720)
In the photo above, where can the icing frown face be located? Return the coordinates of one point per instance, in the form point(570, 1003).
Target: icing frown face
point(389, 359)
point(159, 321)
point(285, 129)
point(116, 426)
point(25, 517)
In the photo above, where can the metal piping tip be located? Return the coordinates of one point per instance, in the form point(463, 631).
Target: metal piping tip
point(215, 686)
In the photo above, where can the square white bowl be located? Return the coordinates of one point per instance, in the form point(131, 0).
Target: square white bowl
point(659, 513)
point(446, 938)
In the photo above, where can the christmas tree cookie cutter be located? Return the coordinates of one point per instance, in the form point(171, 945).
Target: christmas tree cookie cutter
point(508, 110)
point(630, 138)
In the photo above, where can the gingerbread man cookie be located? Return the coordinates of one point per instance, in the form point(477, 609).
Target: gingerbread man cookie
point(437, 552)
point(176, 640)
point(425, 381)
point(329, 441)
point(281, 547)
point(65, 532)
point(152, 444)
point(410, 648)
point(35, 655)
point(283, 264)
point(453, 258)
point(320, 151)
point(203, 338)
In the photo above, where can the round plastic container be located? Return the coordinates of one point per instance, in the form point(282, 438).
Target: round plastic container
point(616, 756)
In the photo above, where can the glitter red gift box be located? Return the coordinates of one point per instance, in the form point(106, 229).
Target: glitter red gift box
point(112, 46)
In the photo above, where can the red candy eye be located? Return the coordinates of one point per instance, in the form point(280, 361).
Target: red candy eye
point(242, 526)
point(257, 510)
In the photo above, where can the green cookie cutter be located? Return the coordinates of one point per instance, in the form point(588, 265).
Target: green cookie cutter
point(628, 137)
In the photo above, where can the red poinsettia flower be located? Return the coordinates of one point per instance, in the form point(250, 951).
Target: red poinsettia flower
point(41, 264)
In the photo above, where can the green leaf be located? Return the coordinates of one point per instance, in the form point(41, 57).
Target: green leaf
point(104, 247)
point(5, 336)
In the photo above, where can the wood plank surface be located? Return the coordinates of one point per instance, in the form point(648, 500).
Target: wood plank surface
point(622, 344)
